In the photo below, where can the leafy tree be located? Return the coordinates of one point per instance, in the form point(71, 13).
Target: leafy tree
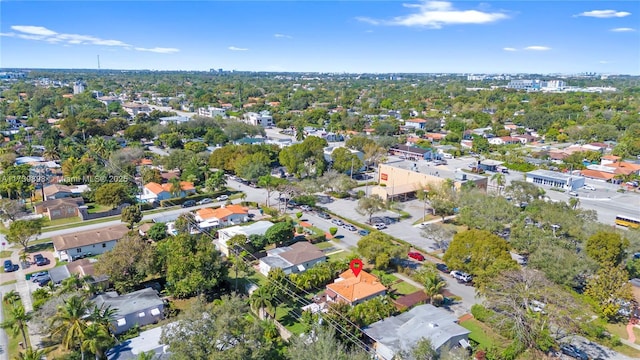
point(305, 158)
point(500, 180)
point(21, 232)
point(131, 215)
point(192, 265)
point(423, 350)
point(522, 191)
point(216, 180)
point(479, 253)
point(444, 199)
point(486, 212)
point(607, 247)
point(224, 323)
point(195, 146)
point(128, 263)
point(137, 132)
point(157, 232)
point(31, 354)
point(370, 205)
point(379, 248)
point(253, 166)
point(439, 233)
point(323, 346)
point(344, 161)
point(608, 288)
point(270, 183)
point(151, 175)
point(279, 233)
point(113, 194)
point(11, 209)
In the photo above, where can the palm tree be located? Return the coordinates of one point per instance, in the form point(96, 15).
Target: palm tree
point(71, 284)
point(11, 298)
point(70, 322)
point(433, 286)
point(104, 316)
point(500, 180)
point(18, 319)
point(262, 301)
point(31, 354)
point(97, 340)
point(574, 202)
point(51, 153)
point(176, 188)
point(149, 355)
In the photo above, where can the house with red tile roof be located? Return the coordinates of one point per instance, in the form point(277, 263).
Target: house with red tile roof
point(155, 192)
point(355, 289)
point(222, 216)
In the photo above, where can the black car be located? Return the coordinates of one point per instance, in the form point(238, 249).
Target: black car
point(443, 268)
point(10, 267)
point(40, 260)
point(189, 203)
point(574, 352)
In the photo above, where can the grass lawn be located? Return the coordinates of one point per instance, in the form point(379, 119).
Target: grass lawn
point(9, 282)
point(93, 208)
point(429, 217)
point(286, 316)
point(483, 335)
point(341, 255)
point(59, 222)
point(323, 245)
point(404, 288)
point(5, 253)
point(620, 330)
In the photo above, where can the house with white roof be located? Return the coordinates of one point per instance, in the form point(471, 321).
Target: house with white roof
point(258, 228)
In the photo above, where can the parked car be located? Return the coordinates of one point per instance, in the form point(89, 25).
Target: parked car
point(305, 207)
point(189, 203)
point(380, 226)
point(351, 228)
point(573, 193)
point(363, 232)
point(337, 222)
point(589, 187)
point(43, 280)
point(36, 276)
point(324, 215)
point(442, 267)
point(574, 352)
point(416, 255)
point(205, 201)
point(40, 260)
point(10, 267)
point(222, 198)
point(461, 276)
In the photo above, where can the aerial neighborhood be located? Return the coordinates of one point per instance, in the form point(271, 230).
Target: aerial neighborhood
point(493, 216)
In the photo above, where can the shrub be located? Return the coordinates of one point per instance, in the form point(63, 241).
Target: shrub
point(270, 211)
point(333, 230)
point(299, 214)
point(480, 312)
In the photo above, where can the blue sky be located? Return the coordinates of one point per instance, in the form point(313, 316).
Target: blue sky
point(325, 36)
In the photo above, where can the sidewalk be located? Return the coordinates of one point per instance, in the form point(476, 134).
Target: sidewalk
point(22, 287)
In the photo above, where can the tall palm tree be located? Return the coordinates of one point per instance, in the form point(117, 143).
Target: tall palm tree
point(176, 188)
point(18, 318)
point(31, 354)
point(97, 340)
point(262, 301)
point(500, 180)
point(11, 298)
point(70, 322)
point(149, 355)
point(433, 286)
point(574, 202)
point(104, 316)
point(51, 153)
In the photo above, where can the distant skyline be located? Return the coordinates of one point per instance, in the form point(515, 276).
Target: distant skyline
point(324, 36)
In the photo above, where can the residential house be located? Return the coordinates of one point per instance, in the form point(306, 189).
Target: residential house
point(138, 308)
point(504, 140)
point(157, 192)
point(435, 136)
point(292, 259)
point(57, 191)
point(134, 109)
point(263, 119)
point(353, 289)
point(609, 168)
point(525, 138)
point(222, 216)
point(84, 268)
point(59, 208)
point(174, 119)
point(211, 111)
point(257, 228)
point(415, 123)
point(86, 243)
point(106, 100)
point(397, 334)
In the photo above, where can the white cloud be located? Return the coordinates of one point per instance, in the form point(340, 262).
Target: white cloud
point(34, 30)
point(436, 14)
point(602, 14)
point(235, 48)
point(509, 49)
point(282, 36)
point(537, 48)
point(159, 50)
point(604, 62)
point(40, 33)
point(623, 29)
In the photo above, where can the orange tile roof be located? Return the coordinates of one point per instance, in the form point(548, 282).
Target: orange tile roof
point(221, 213)
point(611, 157)
point(353, 288)
point(157, 188)
point(420, 121)
point(154, 187)
point(624, 168)
point(595, 174)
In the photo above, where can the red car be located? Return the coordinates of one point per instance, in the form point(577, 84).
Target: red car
point(416, 255)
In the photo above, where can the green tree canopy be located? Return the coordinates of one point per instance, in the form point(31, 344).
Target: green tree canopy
point(607, 247)
point(128, 263)
point(379, 248)
point(279, 233)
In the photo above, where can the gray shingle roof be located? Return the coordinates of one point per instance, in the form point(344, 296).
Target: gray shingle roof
point(130, 303)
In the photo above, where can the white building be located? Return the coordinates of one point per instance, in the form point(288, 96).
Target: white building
point(292, 259)
point(87, 243)
point(263, 118)
point(78, 87)
point(211, 112)
point(554, 85)
point(259, 228)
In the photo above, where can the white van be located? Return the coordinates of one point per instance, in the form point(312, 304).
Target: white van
point(447, 156)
